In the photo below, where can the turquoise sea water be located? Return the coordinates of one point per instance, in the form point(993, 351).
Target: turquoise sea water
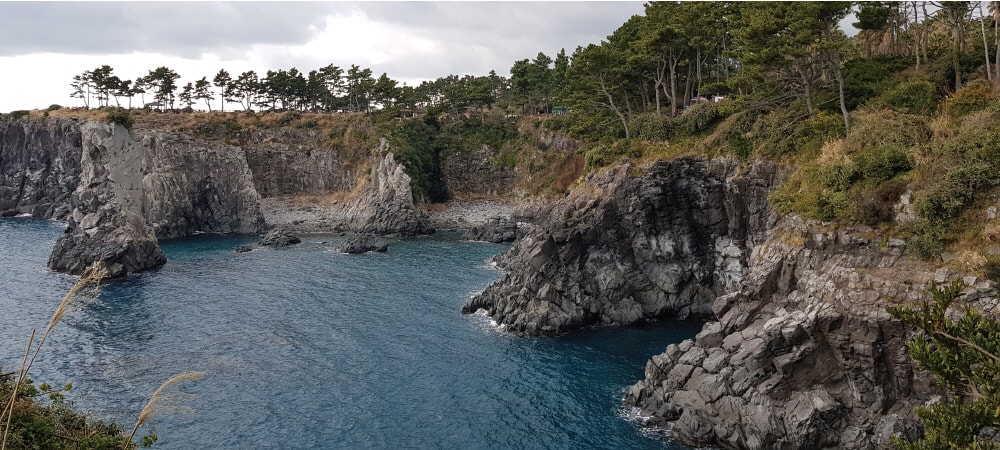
point(307, 348)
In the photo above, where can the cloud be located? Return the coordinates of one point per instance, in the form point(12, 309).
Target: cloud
point(178, 29)
point(48, 43)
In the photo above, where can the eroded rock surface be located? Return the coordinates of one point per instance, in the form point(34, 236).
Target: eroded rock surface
point(624, 248)
point(106, 225)
point(385, 204)
point(803, 355)
point(39, 166)
point(363, 244)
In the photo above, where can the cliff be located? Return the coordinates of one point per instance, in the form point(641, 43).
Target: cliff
point(385, 203)
point(623, 249)
point(39, 167)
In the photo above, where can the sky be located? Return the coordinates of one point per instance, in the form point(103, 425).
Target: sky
point(44, 44)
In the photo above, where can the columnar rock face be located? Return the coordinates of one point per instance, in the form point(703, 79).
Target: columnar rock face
point(190, 186)
point(106, 225)
point(803, 355)
point(385, 204)
point(289, 162)
point(476, 173)
point(624, 248)
point(39, 166)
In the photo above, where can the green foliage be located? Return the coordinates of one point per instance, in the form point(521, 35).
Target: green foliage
point(120, 116)
point(652, 126)
point(962, 356)
point(880, 164)
point(916, 96)
point(949, 198)
point(54, 425)
point(974, 96)
point(289, 117)
point(14, 115)
point(53, 107)
point(864, 79)
point(698, 118)
point(606, 153)
point(788, 132)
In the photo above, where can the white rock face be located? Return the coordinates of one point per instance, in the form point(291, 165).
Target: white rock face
point(385, 205)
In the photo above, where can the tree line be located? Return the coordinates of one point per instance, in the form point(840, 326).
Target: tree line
point(661, 62)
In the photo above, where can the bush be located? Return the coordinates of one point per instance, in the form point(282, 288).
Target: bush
point(787, 131)
point(880, 164)
point(955, 192)
point(53, 107)
point(917, 96)
point(14, 115)
point(886, 128)
point(652, 127)
point(120, 116)
point(605, 154)
point(974, 96)
point(289, 117)
point(699, 117)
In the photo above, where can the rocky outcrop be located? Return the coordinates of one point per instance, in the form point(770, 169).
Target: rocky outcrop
point(384, 206)
point(191, 186)
point(476, 173)
point(278, 238)
point(496, 230)
point(803, 355)
point(363, 244)
point(39, 166)
point(623, 248)
point(289, 161)
point(106, 225)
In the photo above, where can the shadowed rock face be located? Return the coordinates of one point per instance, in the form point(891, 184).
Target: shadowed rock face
point(106, 225)
point(39, 166)
point(803, 354)
point(623, 249)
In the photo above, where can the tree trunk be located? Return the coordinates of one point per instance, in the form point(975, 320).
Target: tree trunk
point(916, 35)
point(986, 47)
point(673, 82)
point(839, 76)
point(806, 87)
point(611, 105)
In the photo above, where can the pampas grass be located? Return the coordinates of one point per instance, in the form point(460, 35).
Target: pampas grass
point(84, 289)
point(159, 401)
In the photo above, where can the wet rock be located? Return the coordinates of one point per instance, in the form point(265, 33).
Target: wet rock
point(363, 244)
point(278, 238)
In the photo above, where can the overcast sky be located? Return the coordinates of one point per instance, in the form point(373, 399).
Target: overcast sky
point(44, 44)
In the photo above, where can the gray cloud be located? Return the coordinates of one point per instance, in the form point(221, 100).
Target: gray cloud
point(179, 29)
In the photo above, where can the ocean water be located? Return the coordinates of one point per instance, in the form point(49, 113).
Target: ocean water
point(307, 348)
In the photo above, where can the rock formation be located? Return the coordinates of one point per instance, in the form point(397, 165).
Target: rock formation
point(363, 244)
point(623, 248)
point(384, 206)
point(278, 238)
point(191, 186)
point(495, 230)
point(106, 224)
point(39, 166)
point(803, 355)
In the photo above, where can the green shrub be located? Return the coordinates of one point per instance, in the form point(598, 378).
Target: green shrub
point(310, 123)
point(288, 117)
point(14, 115)
point(880, 164)
point(605, 153)
point(53, 107)
point(917, 96)
point(865, 78)
point(652, 126)
point(788, 131)
point(120, 116)
point(886, 128)
point(699, 117)
point(974, 96)
point(949, 198)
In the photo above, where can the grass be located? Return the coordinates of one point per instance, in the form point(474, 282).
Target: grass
point(30, 424)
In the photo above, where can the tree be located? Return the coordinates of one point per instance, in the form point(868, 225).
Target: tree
point(384, 91)
point(163, 83)
point(202, 91)
point(962, 355)
point(187, 95)
point(81, 88)
point(245, 89)
point(224, 82)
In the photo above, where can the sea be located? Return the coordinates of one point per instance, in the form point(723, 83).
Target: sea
point(305, 347)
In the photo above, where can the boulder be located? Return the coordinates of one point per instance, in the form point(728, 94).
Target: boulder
point(495, 229)
point(278, 238)
point(363, 244)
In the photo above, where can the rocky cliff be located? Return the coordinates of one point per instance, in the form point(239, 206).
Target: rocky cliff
point(39, 166)
point(803, 355)
point(106, 225)
point(384, 206)
point(289, 161)
point(623, 248)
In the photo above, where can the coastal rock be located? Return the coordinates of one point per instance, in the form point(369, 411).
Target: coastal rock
point(278, 238)
point(273, 154)
point(363, 244)
point(106, 224)
point(495, 230)
point(385, 204)
point(39, 166)
point(192, 186)
point(802, 355)
point(623, 249)
point(476, 173)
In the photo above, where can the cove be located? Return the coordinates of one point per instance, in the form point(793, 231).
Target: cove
point(304, 347)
